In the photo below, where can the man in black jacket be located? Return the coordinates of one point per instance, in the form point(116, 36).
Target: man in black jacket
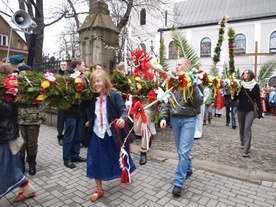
point(73, 119)
point(60, 118)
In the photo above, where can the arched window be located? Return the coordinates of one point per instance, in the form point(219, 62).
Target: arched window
point(205, 47)
point(143, 46)
point(143, 17)
point(240, 44)
point(272, 44)
point(172, 51)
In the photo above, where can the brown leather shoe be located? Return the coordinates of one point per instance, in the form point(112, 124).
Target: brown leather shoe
point(245, 155)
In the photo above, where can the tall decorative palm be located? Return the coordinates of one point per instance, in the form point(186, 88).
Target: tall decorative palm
point(214, 71)
point(266, 71)
point(184, 49)
point(162, 55)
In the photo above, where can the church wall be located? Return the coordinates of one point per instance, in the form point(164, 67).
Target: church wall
point(255, 30)
point(155, 19)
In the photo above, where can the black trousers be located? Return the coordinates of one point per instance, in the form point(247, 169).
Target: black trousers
point(60, 123)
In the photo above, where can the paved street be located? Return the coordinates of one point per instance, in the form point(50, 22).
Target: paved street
point(219, 148)
point(221, 176)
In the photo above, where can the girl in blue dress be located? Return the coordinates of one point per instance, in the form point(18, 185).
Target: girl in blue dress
point(107, 115)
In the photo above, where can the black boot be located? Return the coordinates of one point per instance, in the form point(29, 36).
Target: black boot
point(23, 164)
point(143, 158)
point(32, 163)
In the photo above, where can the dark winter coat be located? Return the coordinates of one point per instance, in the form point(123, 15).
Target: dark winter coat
point(191, 108)
point(230, 101)
point(244, 103)
point(115, 109)
point(8, 122)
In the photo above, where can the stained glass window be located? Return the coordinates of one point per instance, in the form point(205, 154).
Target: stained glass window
point(272, 44)
point(205, 47)
point(172, 51)
point(240, 44)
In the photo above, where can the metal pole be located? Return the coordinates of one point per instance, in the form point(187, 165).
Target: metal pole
point(9, 46)
point(256, 59)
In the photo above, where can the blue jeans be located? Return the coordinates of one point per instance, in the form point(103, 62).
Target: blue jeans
point(231, 110)
point(183, 131)
point(71, 139)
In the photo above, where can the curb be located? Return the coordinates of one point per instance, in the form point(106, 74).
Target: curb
point(254, 176)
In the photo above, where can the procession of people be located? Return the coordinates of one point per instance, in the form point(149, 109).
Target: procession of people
point(108, 114)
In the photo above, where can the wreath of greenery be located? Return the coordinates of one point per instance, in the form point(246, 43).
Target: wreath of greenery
point(129, 85)
point(61, 93)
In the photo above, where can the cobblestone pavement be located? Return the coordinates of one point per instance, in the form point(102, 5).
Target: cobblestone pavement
point(151, 184)
point(220, 144)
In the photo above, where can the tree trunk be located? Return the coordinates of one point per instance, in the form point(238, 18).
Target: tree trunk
point(35, 10)
point(125, 18)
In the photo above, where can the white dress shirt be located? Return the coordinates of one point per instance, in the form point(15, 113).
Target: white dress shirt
point(101, 122)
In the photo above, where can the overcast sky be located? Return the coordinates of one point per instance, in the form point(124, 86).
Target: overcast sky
point(50, 33)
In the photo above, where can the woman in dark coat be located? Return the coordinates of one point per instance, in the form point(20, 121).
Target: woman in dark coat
point(11, 175)
point(250, 92)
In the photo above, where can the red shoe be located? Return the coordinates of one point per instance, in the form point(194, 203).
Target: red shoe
point(95, 196)
point(20, 197)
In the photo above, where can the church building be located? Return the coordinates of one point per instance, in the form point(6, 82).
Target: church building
point(254, 23)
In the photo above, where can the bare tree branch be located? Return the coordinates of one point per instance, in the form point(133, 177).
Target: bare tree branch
point(125, 18)
point(35, 7)
point(56, 20)
point(75, 15)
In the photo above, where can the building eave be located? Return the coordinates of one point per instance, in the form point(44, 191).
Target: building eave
point(216, 23)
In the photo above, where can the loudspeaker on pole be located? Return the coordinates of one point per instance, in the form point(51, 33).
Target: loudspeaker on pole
point(23, 20)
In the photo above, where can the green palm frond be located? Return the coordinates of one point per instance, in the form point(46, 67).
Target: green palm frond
point(162, 55)
point(214, 71)
point(184, 49)
point(266, 71)
point(238, 76)
point(225, 72)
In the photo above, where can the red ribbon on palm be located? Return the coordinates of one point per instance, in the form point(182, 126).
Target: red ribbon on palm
point(141, 62)
point(182, 82)
point(11, 81)
point(152, 97)
point(138, 110)
point(233, 84)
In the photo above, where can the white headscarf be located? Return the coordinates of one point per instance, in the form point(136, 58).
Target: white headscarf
point(248, 85)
